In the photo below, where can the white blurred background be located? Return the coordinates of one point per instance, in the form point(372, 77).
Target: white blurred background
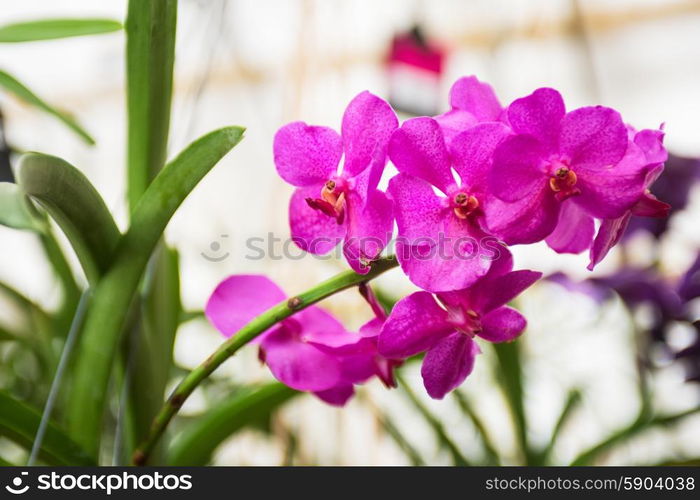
point(262, 64)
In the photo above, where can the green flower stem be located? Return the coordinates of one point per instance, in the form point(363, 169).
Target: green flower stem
point(257, 326)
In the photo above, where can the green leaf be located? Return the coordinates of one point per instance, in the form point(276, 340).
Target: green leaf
point(443, 438)
point(153, 352)
point(19, 422)
point(49, 29)
point(197, 441)
point(75, 205)
point(509, 376)
point(411, 453)
point(573, 400)
point(16, 211)
point(150, 56)
point(12, 85)
point(637, 427)
point(469, 412)
point(116, 290)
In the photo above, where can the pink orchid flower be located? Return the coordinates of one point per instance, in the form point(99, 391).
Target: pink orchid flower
point(650, 143)
point(471, 102)
point(310, 351)
point(329, 206)
point(445, 326)
point(561, 167)
point(442, 244)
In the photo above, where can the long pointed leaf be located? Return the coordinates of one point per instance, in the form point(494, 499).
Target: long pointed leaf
point(49, 29)
point(150, 56)
point(116, 290)
point(14, 86)
point(197, 442)
point(153, 350)
point(75, 205)
point(640, 425)
point(443, 438)
point(510, 377)
point(572, 402)
point(468, 411)
point(19, 422)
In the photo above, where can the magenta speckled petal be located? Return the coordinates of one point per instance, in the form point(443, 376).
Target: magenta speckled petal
point(305, 154)
point(322, 327)
point(538, 115)
point(448, 363)
point(494, 291)
point(416, 323)
point(502, 325)
point(238, 299)
point(418, 148)
point(436, 249)
point(472, 153)
point(518, 168)
point(526, 221)
point(574, 231)
point(298, 364)
point(608, 193)
point(337, 396)
point(455, 121)
point(369, 229)
point(367, 126)
point(609, 234)
point(593, 137)
point(479, 99)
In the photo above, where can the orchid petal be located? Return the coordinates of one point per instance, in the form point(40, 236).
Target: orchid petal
point(240, 298)
point(502, 325)
point(538, 115)
point(448, 363)
point(306, 154)
point(415, 324)
point(367, 125)
point(418, 148)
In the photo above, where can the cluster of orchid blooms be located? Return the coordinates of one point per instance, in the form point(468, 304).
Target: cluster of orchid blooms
point(525, 173)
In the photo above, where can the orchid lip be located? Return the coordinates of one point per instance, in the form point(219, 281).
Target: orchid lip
point(467, 322)
point(332, 199)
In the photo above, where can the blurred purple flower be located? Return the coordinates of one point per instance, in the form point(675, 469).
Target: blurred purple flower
point(673, 186)
point(689, 286)
point(690, 356)
point(636, 287)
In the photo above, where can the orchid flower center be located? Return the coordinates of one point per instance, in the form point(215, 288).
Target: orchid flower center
point(464, 204)
point(467, 321)
point(563, 181)
point(331, 200)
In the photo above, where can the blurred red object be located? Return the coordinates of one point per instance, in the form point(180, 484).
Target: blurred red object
point(415, 67)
